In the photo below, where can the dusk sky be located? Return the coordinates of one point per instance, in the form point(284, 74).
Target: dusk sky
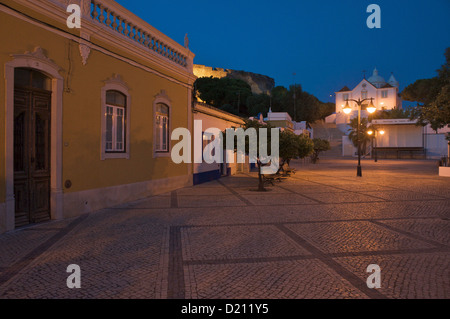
point(326, 43)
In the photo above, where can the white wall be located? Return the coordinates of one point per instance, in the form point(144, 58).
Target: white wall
point(209, 121)
point(348, 149)
point(436, 145)
point(400, 136)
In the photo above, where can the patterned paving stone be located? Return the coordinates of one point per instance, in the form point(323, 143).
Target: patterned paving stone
point(252, 190)
point(311, 236)
point(120, 260)
point(209, 201)
point(197, 191)
point(231, 242)
point(279, 199)
point(354, 236)
point(311, 189)
point(402, 195)
point(14, 246)
point(434, 229)
point(344, 197)
point(161, 201)
point(278, 280)
point(407, 276)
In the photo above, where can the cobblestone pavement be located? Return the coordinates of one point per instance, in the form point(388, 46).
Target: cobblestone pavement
point(311, 236)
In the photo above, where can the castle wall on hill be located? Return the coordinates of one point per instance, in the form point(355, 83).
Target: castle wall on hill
point(259, 83)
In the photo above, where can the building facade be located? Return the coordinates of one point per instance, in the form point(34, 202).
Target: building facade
point(280, 120)
point(87, 112)
point(385, 97)
point(210, 117)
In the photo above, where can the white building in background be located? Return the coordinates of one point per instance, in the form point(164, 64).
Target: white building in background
point(385, 97)
point(402, 138)
point(284, 122)
point(303, 128)
point(212, 117)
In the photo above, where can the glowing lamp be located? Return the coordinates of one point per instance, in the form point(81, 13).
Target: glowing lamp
point(347, 109)
point(371, 108)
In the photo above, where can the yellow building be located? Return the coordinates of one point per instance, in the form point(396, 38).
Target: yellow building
point(86, 113)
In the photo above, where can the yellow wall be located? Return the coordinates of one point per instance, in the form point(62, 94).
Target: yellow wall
point(82, 110)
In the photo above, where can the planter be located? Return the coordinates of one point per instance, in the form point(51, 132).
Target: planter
point(444, 171)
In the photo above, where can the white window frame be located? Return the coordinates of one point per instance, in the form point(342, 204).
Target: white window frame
point(115, 84)
point(162, 98)
point(363, 95)
point(384, 92)
point(115, 114)
point(160, 127)
point(345, 96)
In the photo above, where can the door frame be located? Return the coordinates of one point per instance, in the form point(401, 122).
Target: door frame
point(38, 61)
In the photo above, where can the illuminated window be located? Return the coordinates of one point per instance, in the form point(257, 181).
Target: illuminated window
point(162, 127)
point(115, 121)
point(363, 95)
point(115, 126)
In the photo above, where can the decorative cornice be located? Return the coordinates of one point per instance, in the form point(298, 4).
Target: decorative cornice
point(162, 95)
point(37, 56)
point(117, 79)
point(85, 46)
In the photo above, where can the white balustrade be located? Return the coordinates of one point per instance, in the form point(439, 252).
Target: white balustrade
point(142, 35)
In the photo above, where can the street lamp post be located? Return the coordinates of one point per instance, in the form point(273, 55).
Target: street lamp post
point(375, 132)
point(347, 109)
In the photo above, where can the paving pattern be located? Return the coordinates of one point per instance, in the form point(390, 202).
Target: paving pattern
point(312, 235)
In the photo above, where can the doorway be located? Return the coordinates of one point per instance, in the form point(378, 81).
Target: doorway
point(32, 115)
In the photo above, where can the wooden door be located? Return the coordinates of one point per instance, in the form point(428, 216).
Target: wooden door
point(31, 155)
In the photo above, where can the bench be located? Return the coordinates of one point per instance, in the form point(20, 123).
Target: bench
point(399, 152)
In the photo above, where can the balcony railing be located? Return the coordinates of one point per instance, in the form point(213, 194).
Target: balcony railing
point(124, 24)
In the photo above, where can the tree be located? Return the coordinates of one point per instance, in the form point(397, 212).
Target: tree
point(364, 138)
point(235, 96)
point(288, 147)
point(423, 91)
point(224, 91)
point(294, 146)
point(326, 109)
point(305, 146)
point(279, 96)
point(258, 103)
point(249, 147)
point(320, 145)
point(305, 106)
point(432, 97)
